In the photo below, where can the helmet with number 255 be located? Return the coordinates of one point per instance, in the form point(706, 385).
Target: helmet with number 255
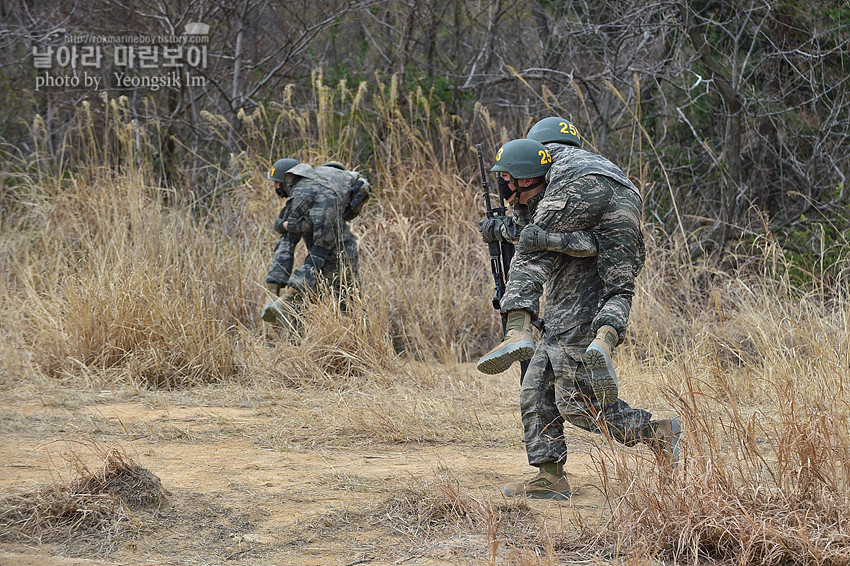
point(555, 130)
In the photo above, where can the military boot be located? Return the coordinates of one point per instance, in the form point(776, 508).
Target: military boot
point(597, 359)
point(272, 308)
point(274, 312)
point(663, 438)
point(517, 346)
point(549, 483)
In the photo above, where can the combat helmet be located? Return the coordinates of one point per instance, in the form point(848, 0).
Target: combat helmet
point(523, 159)
point(335, 165)
point(280, 167)
point(555, 130)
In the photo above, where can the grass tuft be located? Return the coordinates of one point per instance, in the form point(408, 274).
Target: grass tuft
point(95, 503)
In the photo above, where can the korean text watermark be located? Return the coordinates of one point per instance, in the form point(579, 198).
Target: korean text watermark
point(124, 61)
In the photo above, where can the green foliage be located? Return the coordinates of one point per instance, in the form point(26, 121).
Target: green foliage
point(817, 253)
point(838, 14)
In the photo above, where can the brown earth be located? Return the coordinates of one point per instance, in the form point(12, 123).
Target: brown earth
point(233, 496)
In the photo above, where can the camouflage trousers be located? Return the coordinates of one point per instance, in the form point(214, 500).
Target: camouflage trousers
point(283, 259)
point(340, 270)
point(555, 390)
point(612, 213)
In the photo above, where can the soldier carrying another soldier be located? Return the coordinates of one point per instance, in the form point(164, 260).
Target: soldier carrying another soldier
point(577, 193)
point(320, 201)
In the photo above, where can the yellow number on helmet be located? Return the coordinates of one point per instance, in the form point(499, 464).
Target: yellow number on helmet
point(499, 154)
point(544, 156)
point(568, 128)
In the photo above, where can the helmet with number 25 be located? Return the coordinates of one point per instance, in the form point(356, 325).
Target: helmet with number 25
point(555, 130)
point(523, 159)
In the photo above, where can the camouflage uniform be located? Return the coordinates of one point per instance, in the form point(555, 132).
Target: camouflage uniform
point(555, 387)
point(582, 243)
point(585, 192)
point(313, 212)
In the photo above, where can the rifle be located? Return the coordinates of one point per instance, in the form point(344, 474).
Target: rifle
point(501, 253)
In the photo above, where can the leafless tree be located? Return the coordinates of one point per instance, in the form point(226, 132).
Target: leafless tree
point(746, 102)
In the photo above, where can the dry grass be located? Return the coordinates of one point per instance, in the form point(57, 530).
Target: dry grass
point(753, 489)
point(757, 370)
point(116, 279)
point(95, 504)
point(428, 515)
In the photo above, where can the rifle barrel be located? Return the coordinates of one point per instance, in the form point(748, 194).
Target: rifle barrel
point(497, 252)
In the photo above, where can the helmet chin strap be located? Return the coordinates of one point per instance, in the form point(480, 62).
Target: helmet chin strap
point(519, 190)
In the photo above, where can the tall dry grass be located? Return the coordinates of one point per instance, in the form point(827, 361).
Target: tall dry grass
point(109, 277)
point(757, 369)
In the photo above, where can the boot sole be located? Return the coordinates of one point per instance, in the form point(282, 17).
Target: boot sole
point(503, 358)
point(551, 495)
point(270, 313)
point(603, 380)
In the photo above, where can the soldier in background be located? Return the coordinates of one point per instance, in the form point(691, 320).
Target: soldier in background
point(558, 386)
point(320, 202)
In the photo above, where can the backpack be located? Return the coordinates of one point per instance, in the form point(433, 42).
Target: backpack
point(358, 194)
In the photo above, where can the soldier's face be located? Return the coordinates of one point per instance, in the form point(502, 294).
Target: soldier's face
point(280, 190)
point(518, 197)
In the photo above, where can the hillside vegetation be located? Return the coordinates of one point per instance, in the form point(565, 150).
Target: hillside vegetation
point(113, 281)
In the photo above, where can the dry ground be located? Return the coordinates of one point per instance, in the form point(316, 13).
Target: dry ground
point(247, 485)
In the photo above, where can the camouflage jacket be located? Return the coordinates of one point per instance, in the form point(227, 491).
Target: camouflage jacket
point(573, 289)
point(316, 203)
point(570, 162)
point(313, 212)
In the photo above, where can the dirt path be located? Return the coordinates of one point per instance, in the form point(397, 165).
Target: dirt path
point(232, 500)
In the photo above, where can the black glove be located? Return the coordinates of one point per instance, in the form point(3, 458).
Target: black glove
point(497, 229)
point(533, 238)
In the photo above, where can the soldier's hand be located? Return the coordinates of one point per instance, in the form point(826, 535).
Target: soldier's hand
point(497, 229)
point(533, 238)
point(300, 226)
